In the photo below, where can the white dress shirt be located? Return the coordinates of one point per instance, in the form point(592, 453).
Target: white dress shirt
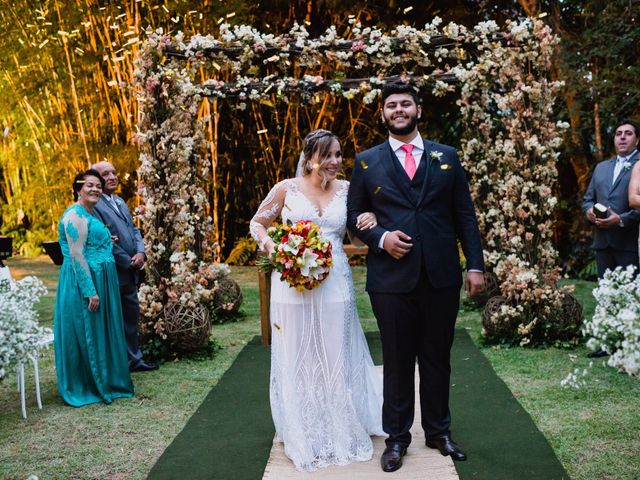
point(112, 201)
point(418, 149)
point(620, 161)
point(396, 146)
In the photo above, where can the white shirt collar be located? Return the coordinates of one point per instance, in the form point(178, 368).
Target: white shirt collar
point(110, 198)
point(416, 142)
point(627, 157)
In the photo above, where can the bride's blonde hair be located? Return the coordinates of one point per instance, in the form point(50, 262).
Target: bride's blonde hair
point(318, 141)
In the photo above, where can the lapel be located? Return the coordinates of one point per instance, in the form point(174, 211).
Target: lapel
point(388, 158)
point(115, 209)
point(623, 173)
point(427, 160)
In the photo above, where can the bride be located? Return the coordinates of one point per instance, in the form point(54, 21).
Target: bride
point(326, 397)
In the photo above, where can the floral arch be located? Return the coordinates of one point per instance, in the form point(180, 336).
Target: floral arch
point(509, 144)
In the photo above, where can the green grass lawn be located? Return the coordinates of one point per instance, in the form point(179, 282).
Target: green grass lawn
point(594, 430)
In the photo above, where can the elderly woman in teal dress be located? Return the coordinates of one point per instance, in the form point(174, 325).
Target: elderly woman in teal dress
point(91, 352)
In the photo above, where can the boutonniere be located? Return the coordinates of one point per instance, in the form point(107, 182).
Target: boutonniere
point(438, 156)
point(118, 201)
point(626, 166)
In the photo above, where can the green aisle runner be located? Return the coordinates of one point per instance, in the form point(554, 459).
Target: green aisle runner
point(230, 434)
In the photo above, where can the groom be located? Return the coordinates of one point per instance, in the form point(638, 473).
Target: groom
point(420, 195)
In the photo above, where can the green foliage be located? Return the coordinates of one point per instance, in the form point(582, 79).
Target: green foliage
point(243, 252)
point(589, 272)
point(600, 58)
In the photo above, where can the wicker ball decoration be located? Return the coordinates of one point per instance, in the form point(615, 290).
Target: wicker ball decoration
point(568, 319)
point(491, 284)
point(496, 331)
point(187, 328)
point(227, 298)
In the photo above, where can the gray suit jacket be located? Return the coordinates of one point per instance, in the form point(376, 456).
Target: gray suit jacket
point(615, 195)
point(120, 223)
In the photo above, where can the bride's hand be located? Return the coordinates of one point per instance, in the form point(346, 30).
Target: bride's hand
point(366, 220)
point(270, 247)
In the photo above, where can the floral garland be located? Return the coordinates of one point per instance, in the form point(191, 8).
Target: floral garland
point(180, 259)
point(245, 54)
point(510, 150)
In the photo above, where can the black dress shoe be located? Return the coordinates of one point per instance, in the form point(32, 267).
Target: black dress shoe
point(391, 459)
point(143, 366)
point(446, 447)
point(598, 353)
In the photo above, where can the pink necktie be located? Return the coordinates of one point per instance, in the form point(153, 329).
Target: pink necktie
point(409, 161)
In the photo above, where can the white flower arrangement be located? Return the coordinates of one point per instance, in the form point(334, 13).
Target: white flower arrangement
point(615, 325)
point(502, 154)
point(19, 329)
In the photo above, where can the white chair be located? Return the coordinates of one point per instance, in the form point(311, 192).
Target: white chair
point(44, 341)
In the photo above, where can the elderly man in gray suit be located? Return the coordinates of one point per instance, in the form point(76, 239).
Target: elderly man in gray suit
point(128, 251)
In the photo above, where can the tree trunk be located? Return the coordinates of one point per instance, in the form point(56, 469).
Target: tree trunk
point(596, 127)
point(577, 159)
point(530, 7)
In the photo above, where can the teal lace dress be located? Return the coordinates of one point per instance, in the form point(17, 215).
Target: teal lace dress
point(90, 347)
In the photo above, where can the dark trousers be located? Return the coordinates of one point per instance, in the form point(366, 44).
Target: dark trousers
point(610, 258)
point(416, 325)
point(131, 316)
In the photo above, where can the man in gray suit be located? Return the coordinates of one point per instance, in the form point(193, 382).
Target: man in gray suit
point(615, 236)
point(128, 251)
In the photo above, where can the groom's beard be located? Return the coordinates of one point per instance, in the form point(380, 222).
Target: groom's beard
point(413, 122)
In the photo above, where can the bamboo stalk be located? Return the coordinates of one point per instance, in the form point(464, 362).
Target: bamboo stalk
point(74, 93)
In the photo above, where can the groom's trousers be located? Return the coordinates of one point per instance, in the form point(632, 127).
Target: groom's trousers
point(416, 325)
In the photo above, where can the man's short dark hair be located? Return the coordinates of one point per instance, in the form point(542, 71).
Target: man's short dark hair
point(399, 87)
point(628, 121)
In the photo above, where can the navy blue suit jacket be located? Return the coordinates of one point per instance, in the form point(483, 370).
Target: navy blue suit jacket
point(603, 190)
point(436, 219)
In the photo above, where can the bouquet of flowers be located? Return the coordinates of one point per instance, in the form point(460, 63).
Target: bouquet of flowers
point(302, 255)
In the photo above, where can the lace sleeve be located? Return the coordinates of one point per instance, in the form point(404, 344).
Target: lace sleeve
point(76, 229)
point(268, 211)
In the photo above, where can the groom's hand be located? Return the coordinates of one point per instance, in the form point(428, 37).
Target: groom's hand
point(474, 283)
point(397, 244)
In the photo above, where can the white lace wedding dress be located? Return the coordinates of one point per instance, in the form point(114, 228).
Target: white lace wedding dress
point(326, 396)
